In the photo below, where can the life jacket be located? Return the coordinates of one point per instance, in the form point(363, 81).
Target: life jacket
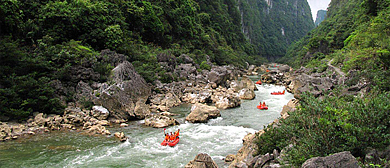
point(177, 133)
point(167, 137)
point(263, 104)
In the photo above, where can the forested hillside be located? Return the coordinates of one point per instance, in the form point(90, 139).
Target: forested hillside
point(273, 25)
point(47, 45)
point(353, 36)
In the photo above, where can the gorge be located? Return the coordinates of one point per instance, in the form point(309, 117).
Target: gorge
point(92, 83)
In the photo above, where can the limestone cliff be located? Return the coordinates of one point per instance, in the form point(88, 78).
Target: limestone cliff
point(273, 25)
point(321, 16)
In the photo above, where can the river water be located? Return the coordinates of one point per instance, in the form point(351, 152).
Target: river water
point(219, 137)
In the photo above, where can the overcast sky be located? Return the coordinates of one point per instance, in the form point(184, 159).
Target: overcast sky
point(316, 5)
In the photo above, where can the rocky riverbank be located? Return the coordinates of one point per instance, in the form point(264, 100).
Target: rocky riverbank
point(298, 82)
point(127, 97)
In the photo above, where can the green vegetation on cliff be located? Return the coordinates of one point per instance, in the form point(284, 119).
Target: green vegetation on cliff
point(273, 25)
point(44, 43)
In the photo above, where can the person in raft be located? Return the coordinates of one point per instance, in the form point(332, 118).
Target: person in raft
point(262, 104)
point(171, 136)
point(177, 133)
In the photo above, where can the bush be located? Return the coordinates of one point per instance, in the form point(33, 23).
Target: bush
point(331, 125)
point(204, 65)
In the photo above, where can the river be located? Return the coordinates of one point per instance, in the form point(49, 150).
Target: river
point(218, 138)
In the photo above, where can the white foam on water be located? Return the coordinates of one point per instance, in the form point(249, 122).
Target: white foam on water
point(218, 137)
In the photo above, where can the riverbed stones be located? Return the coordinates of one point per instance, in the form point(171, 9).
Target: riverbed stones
point(40, 119)
point(230, 158)
point(342, 159)
point(160, 121)
point(98, 129)
point(290, 107)
point(245, 155)
point(202, 160)
point(124, 125)
point(121, 136)
point(201, 113)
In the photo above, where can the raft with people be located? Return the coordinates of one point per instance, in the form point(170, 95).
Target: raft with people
point(278, 93)
point(171, 139)
point(262, 106)
point(258, 82)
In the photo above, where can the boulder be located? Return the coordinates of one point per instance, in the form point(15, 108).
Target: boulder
point(141, 110)
point(124, 125)
point(248, 83)
point(218, 75)
point(170, 100)
point(268, 78)
point(247, 94)
point(40, 119)
point(245, 155)
point(342, 159)
point(84, 93)
point(284, 68)
point(202, 160)
point(186, 59)
point(185, 70)
point(5, 131)
point(74, 115)
point(225, 101)
point(201, 113)
point(100, 112)
point(98, 129)
point(230, 158)
point(262, 160)
point(121, 136)
point(121, 98)
point(290, 107)
point(111, 57)
point(160, 121)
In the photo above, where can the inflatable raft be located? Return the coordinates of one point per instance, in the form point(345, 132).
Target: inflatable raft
point(171, 144)
point(258, 82)
point(278, 93)
point(261, 107)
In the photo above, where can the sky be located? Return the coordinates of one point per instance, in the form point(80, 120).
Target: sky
point(316, 5)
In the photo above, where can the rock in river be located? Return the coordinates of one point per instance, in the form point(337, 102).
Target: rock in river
point(201, 113)
point(160, 121)
point(202, 160)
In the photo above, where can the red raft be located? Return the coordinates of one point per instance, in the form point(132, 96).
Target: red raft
point(171, 144)
point(261, 107)
point(278, 93)
point(258, 82)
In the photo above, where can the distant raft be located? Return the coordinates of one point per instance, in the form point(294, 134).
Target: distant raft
point(258, 82)
point(278, 93)
point(261, 107)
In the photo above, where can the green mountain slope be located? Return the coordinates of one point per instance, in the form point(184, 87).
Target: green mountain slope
point(355, 38)
point(273, 25)
point(43, 42)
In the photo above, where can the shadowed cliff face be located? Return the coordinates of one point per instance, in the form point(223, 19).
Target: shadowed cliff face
point(273, 25)
point(321, 16)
